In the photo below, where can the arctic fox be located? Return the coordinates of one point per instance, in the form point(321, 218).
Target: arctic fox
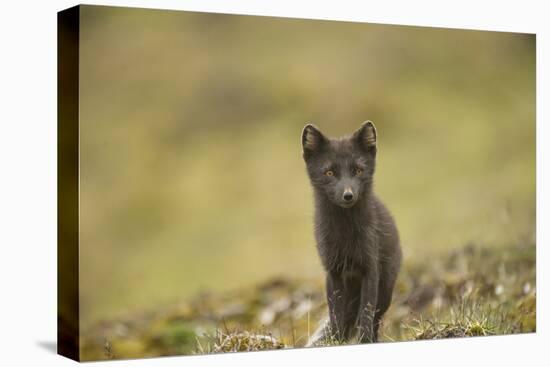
point(356, 236)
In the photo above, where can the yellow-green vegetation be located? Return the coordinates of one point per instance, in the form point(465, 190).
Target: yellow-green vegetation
point(474, 291)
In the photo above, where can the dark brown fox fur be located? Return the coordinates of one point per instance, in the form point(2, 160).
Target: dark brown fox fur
point(356, 236)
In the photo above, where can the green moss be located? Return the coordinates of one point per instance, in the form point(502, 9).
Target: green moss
point(174, 338)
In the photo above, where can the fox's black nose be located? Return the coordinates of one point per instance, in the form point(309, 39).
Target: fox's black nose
point(348, 196)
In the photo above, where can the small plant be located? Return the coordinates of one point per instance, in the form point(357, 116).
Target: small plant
point(244, 341)
point(108, 350)
point(469, 318)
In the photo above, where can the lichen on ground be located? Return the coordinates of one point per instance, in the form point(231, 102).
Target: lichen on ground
point(474, 291)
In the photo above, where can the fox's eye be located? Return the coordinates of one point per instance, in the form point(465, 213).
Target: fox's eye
point(358, 171)
point(329, 173)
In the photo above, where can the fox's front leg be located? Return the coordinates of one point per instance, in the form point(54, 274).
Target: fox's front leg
point(367, 310)
point(336, 298)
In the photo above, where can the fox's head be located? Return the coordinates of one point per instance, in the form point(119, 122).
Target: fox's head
point(342, 169)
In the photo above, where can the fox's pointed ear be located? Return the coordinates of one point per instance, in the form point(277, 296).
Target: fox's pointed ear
point(365, 137)
point(312, 140)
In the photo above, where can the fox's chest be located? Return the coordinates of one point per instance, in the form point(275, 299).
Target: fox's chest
point(346, 249)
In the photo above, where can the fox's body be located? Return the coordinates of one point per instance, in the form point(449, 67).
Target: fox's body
point(356, 236)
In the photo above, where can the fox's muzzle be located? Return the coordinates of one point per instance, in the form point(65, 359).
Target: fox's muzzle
point(348, 195)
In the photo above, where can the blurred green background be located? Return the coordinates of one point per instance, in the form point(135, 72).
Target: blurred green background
point(191, 171)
